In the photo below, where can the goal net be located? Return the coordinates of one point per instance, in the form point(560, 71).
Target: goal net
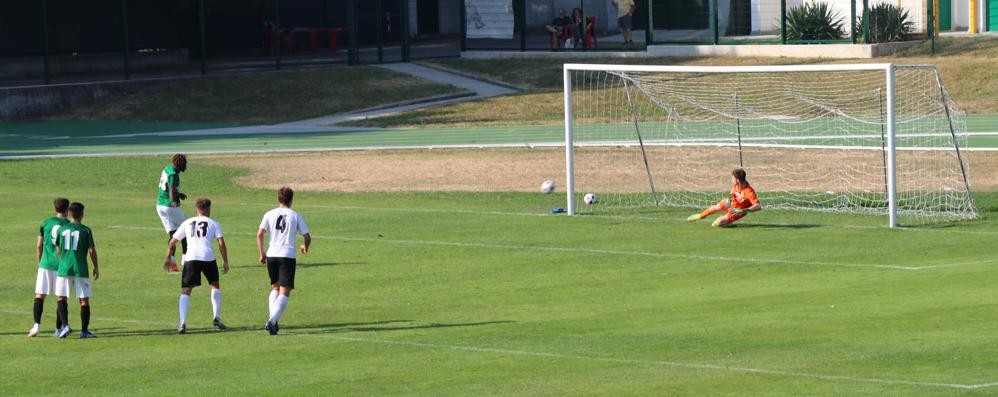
point(875, 139)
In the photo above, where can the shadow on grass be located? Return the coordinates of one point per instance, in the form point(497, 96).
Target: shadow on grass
point(300, 265)
point(338, 328)
point(776, 225)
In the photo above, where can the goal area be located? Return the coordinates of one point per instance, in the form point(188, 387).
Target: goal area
point(873, 139)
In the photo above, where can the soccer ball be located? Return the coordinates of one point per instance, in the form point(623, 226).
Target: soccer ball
point(590, 198)
point(547, 186)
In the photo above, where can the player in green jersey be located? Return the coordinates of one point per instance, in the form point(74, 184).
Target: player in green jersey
point(48, 262)
point(168, 203)
point(74, 244)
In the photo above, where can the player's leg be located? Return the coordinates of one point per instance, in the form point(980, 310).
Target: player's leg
point(722, 205)
point(62, 288)
point(286, 282)
point(190, 278)
point(727, 219)
point(84, 292)
point(211, 273)
point(44, 286)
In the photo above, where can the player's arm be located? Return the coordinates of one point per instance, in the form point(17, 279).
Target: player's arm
point(225, 254)
point(259, 244)
point(38, 249)
point(308, 243)
point(93, 258)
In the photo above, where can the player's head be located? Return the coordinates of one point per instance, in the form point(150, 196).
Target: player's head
point(61, 205)
point(285, 196)
point(179, 162)
point(739, 176)
point(76, 211)
point(203, 206)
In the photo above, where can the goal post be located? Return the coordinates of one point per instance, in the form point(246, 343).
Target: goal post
point(875, 139)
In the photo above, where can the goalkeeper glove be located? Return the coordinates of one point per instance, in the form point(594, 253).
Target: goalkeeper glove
point(739, 211)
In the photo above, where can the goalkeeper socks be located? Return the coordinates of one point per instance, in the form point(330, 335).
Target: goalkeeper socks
point(706, 213)
point(216, 302)
point(185, 302)
point(85, 317)
point(271, 301)
point(280, 305)
point(39, 306)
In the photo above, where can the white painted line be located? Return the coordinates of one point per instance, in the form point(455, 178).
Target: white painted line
point(676, 364)
point(715, 259)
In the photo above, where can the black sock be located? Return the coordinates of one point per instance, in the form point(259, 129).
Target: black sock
point(62, 312)
point(85, 317)
point(39, 306)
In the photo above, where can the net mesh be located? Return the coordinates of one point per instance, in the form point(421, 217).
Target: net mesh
point(810, 140)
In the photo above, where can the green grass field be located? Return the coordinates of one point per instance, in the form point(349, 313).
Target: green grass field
point(477, 293)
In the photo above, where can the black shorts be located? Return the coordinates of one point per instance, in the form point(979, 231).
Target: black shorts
point(282, 271)
point(624, 21)
point(191, 276)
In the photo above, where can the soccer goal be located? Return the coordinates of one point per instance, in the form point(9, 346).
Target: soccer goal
point(875, 139)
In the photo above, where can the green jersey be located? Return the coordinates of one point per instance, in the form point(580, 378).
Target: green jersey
point(169, 176)
point(48, 232)
point(75, 240)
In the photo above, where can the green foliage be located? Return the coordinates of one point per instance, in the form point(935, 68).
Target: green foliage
point(814, 22)
point(887, 23)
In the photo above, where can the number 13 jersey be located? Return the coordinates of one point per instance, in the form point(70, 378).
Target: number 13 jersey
point(283, 225)
point(199, 231)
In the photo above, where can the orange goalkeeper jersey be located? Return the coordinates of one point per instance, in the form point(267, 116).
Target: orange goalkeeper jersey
point(743, 197)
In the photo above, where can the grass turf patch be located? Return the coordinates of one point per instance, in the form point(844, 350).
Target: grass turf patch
point(474, 293)
point(264, 98)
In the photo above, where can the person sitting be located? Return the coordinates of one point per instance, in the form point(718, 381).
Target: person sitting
point(558, 27)
point(580, 28)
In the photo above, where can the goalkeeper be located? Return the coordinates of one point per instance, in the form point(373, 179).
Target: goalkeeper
point(743, 200)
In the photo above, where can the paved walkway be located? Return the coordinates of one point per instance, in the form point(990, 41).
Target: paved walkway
point(479, 88)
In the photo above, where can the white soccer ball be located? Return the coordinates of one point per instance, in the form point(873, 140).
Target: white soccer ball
point(547, 186)
point(590, 198)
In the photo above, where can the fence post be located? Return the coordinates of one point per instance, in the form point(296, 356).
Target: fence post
point(931, 29)
point(405, 30)
point(124, 28)
point(353, 57)
point(866, 21)
point(45, 40)
point(204, 63)
point(277, 34)
point(380, 24)
point(582, 10)
point(523, 24)
point(783, 21)
point(463, 12)
point(713, 6)
point(852, 20)
point(649, 35)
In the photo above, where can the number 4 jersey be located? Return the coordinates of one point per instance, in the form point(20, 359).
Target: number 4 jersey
point(283, 225)
point(199, 231)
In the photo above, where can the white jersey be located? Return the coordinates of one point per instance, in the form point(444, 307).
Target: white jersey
point(283, 225)
point(200, 232)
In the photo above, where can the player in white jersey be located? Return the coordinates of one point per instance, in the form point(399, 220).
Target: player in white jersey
point(283, 224)
point(199, 232)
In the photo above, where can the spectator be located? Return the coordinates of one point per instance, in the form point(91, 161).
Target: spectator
point(558, 26)
point(625, 13)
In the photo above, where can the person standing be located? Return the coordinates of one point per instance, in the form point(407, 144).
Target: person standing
point(200, 230)
point(168, 202)
point(48, 262)
point(283, 225)
point(625, 14)
point(74, 244)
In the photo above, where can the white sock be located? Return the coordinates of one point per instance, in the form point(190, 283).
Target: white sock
point(279, 306)
point(271, 301)
point(216, 302)
point(185, 302)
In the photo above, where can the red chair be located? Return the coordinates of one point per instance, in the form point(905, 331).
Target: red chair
point(590, 32)
point(562, 38)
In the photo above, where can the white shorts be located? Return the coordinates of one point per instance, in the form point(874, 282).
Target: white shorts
point(45, 283)
point(172, 217)
point(64, 285)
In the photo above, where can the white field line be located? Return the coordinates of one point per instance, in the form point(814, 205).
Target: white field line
point(676, 364)
point(512, 214)
point(710, 258)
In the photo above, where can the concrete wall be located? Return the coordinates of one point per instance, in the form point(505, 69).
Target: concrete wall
point(24, 103)
point(490, 19)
